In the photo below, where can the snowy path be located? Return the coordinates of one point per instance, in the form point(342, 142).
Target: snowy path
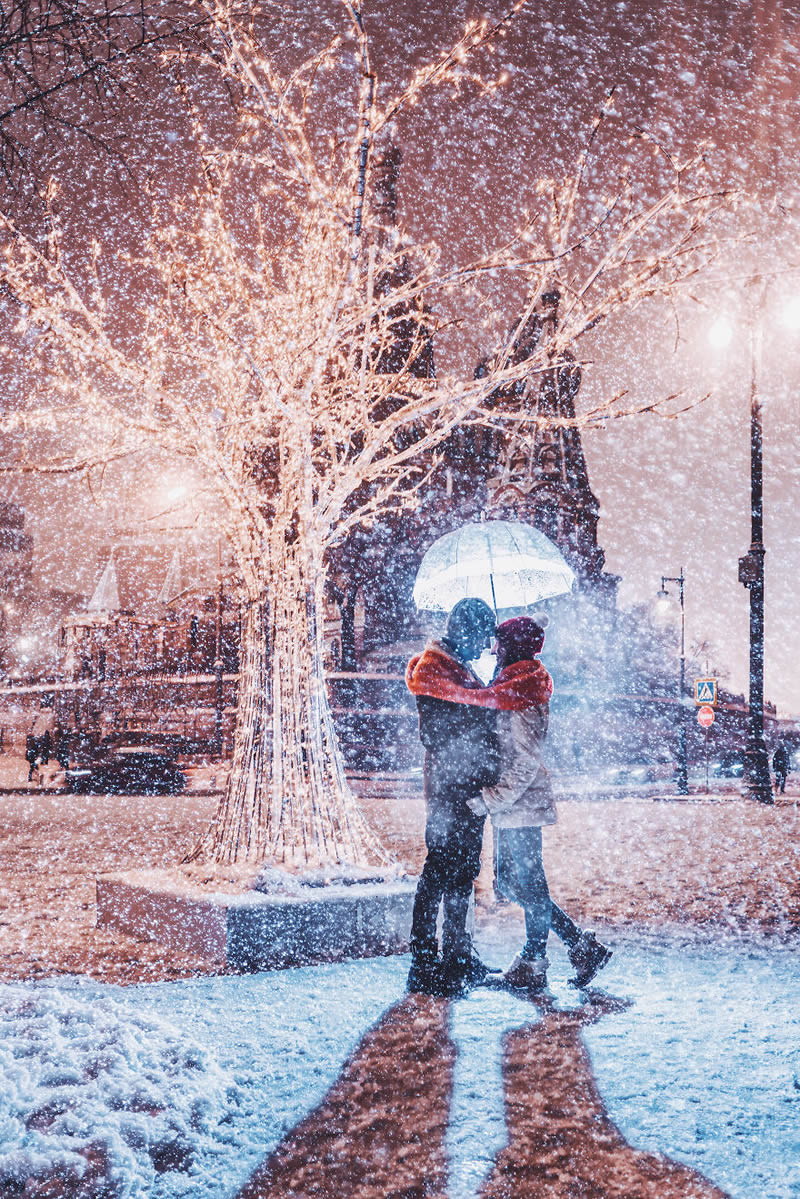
point(703, 1065)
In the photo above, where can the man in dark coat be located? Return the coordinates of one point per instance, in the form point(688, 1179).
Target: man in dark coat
point(780, 764)
point(462, 756)
point(31, 754)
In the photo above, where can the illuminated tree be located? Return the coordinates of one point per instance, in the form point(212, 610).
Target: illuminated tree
point(266, 348)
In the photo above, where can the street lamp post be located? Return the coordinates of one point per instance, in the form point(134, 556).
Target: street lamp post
point(682, 772)
point(756, 782)
point(756, 778)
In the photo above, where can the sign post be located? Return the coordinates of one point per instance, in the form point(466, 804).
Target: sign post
point(705, 696)
point(705, 717)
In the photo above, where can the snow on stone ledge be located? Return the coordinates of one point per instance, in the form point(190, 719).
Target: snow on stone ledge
point(275, 880)
point(95, 1096)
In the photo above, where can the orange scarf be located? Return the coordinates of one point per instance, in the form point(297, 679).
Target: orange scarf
point(437, 674)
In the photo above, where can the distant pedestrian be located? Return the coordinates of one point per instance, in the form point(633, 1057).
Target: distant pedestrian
point(521, 802)
point(61, 747)
point(780, 764)
point(31, 754)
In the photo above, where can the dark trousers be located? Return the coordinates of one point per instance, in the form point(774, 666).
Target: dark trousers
point(521, 878)
point(453, 836)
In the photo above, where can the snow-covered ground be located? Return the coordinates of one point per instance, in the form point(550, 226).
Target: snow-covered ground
point(703, 1066)
point(85, 1076)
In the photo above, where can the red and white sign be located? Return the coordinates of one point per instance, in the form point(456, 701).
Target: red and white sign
point(705, 717)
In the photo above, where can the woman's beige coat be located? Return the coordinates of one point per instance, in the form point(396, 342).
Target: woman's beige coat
point(524, 796)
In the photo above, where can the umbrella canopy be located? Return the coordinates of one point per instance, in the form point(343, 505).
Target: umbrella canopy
point(504, 562)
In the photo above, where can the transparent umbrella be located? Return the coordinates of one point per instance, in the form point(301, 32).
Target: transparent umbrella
point(504, 562)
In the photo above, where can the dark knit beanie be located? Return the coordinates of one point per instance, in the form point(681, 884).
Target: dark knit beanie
point(520, 639)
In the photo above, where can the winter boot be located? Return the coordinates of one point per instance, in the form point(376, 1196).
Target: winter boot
point(526, 975)
point(478, 972)
point(588, 957)
point(455, 976)
point(425, 975)
point(463, 969)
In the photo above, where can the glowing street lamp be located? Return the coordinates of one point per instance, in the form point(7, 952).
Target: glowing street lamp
point(720, 335)
point(790, 316)
point(663, 602)
point(756, 779)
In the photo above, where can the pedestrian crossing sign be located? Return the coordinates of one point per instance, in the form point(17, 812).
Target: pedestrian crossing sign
point(705, 691)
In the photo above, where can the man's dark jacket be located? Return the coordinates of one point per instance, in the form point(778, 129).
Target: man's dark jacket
point(780, 760)
point(460, 737)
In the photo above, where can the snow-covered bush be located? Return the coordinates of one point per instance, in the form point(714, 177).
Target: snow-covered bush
point(98, 1100)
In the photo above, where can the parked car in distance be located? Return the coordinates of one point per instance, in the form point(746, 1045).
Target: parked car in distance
point(728, 765)
point(127, 771)
point(650, 770)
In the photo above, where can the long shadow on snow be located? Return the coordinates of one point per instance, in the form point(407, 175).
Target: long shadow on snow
point(380, 1131)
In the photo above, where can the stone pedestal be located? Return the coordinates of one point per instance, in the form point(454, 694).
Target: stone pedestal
point(254, 931)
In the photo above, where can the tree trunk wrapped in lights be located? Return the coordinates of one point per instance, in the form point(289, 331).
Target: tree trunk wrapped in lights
point(264, 346)
point(288, 800)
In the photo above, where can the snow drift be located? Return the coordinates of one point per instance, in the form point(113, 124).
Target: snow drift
point(99, 1097)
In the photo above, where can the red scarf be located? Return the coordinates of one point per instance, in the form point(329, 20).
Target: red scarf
point(439, 675)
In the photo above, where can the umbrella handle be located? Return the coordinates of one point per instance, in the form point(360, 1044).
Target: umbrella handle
point(494, 597)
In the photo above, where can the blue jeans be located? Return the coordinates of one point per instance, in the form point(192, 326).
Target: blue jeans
point(521, 878)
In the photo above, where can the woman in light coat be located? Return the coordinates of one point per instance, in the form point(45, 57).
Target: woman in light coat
point(519, 805)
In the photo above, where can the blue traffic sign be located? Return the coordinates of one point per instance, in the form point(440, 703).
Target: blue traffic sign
point(705, 691)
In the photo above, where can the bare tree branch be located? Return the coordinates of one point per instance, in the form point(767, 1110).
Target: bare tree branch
point(53, 52)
